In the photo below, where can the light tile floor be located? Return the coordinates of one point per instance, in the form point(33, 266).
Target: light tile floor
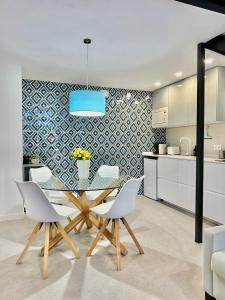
point(169, 270)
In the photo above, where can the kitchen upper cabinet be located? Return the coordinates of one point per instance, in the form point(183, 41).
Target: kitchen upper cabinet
point(220, 110)
point(191, 100)
point(182, 103)
point(181, 99)
point(178, 101)
point(211, 88)
point(215, 95)
point(160, 98)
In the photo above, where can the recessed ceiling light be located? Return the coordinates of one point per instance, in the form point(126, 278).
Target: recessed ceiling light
point(209, 60)
point(178, 74)
point(180, 85)
point(157, 83)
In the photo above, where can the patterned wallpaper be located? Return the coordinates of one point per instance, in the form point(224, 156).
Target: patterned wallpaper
point(118, 138)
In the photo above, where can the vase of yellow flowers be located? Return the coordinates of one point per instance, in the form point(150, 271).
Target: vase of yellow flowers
point(83, 161)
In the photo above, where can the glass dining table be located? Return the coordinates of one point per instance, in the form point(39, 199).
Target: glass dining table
point(76, 192)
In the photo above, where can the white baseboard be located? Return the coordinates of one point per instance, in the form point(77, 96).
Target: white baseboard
point(12, 217)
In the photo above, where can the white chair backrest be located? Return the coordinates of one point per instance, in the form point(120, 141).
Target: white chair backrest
point(108, 171)
point(40, 174)
point(37, 205)
point(125, 201)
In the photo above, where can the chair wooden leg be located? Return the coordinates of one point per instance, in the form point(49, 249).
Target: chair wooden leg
point(59, 237)
point(113, 230)
point(98, 236)
point(68, 240)
point(141, 251)
point(50, 231)
point(30, 241)
point(113, 227)
point(117, 240)
point(54, 230)
point(45, 260)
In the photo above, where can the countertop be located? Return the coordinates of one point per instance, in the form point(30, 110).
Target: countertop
point(206, 159)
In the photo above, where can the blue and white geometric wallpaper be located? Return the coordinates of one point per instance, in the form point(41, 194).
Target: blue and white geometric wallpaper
point(118, 138)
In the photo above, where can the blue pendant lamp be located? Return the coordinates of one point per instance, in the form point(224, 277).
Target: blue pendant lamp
point(87, 103)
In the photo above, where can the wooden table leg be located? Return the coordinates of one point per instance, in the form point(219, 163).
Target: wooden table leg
point(81, 225)
point(85, 207)
point(69, 220)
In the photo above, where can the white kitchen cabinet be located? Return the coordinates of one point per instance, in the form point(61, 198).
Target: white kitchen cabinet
point(214, 95)
point(160, 98)
point(214, 206)
point(167, 190)
point(220, 109)
point(150, 180)
point(191, 100)
point(176, 185)
point(187, 172)
point(176, 181)
point(181, 99)
point(214, 177)
point(186, 197)
point(211, 88)
point(178, 113)
point(168, 169)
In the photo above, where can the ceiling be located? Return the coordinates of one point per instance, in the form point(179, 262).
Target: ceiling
point(135, 43)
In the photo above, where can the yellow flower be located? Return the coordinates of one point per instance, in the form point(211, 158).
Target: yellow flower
point(80, 153)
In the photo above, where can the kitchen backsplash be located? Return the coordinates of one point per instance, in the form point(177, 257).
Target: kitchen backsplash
point(217, 131)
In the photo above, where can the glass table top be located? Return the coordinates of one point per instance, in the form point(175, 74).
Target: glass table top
point(75, 185)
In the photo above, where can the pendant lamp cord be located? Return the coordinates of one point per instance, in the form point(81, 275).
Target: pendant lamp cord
point(87, 69)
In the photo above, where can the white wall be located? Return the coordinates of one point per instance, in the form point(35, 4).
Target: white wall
point(10, 138)
point(217, 131)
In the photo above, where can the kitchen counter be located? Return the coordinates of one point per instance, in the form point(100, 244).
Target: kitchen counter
point(172, 178)
point(188, 157)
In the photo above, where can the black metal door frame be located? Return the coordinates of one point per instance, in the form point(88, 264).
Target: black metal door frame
point(214, 5)
point(216, 44)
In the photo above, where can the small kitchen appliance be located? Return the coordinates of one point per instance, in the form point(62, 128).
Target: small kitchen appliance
point(185, 145)
point(162, 149)
point(173, 150)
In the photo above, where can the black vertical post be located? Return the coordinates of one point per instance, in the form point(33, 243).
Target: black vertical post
point(200, 143)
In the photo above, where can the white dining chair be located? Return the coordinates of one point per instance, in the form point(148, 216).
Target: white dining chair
point(107, 172)
point(41, 210)
point(115, 211)
point(43, 174)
